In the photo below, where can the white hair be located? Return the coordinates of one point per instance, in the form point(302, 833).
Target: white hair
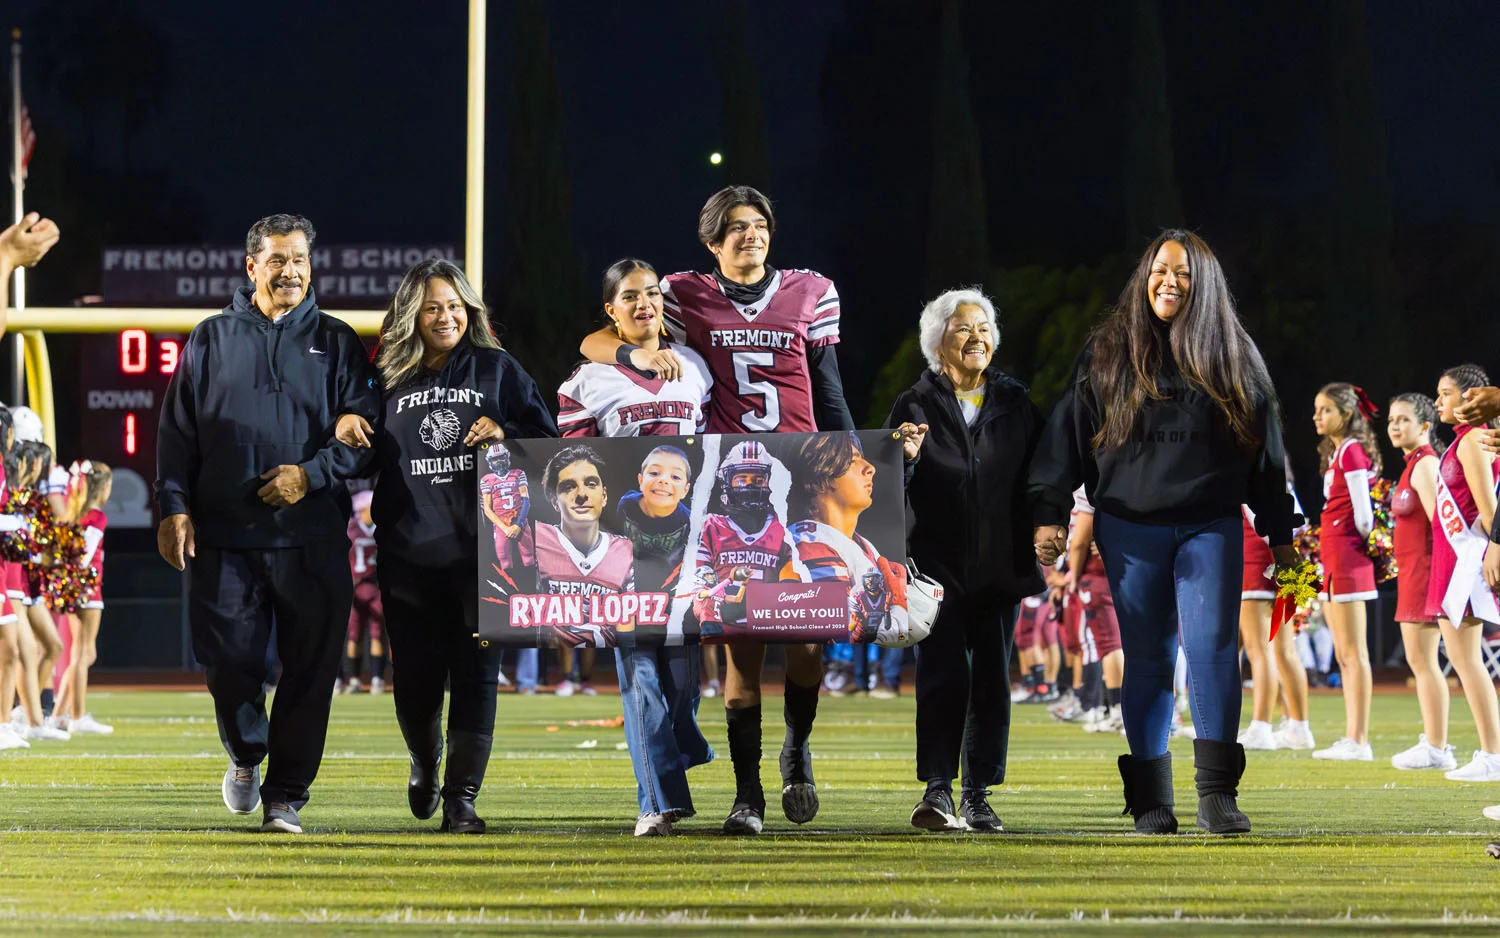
point(935, 316)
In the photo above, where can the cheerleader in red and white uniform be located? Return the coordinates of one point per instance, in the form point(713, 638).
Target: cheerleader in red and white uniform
point(73, 689)
point(38, 639)
point(10, 648)
point(1457, 592)
point(1350, 461)
point(1275, 666)
point(1411, 419)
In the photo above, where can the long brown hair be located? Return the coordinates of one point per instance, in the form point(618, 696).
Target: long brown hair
point(1347, 400)
point(1206, 340)
point(399, 357)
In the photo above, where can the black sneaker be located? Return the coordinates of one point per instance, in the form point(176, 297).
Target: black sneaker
point(799, 795)
point(281, 818)
point(745, 818)
point(935, 812)
point(241, 788)
point(978, 816)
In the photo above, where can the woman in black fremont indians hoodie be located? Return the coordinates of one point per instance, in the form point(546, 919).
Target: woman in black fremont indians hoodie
point(447, 388)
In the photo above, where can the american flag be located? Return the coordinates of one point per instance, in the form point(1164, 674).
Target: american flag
point(28, 140)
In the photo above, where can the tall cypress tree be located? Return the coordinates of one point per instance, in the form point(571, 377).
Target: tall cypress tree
point(958, 245)
point(1152, 200)
point(546, 310)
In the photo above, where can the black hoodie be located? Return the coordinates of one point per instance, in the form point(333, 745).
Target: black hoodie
point(249, 395)
point(1181, 466)
point(426, 506)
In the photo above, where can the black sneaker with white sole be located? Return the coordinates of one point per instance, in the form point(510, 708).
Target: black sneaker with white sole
point(974, 808)
point(935, 812)
point(799, 794)
point(241, 788)
point(281, 818)
point(745, 818)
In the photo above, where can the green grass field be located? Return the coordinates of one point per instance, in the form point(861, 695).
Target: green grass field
point(127, 835)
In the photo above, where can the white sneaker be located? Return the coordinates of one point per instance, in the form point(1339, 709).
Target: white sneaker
point(58, 722)
point(712, 690)
point(1347, 750)
point(377, 686)
point(1493, 812)
point(1424, 755)
point(1111, 722)
point(1187, 731)
point(9, 739)
point(1258, 735)
point(566, 689)
point(47, 732)
point(1294, 734)
point(587, 690)
point(503, 680)
point(653, 825)
point(86, 724)
point(352, 687)
point(1484, 767)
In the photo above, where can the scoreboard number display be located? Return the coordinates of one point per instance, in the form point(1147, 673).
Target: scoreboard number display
point(124, 379)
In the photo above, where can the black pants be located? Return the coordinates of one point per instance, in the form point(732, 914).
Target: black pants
point(431, 616)
point(963, 690)
point(234, 597)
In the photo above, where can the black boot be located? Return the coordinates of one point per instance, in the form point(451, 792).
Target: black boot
point(424, 744)
point(1219, 766)
point(468, 757)
point(1148, 793)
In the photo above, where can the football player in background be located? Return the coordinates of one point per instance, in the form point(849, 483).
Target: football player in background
point(366, 617)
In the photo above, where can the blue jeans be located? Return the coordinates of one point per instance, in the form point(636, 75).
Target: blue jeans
point(659, 695)
point(527, 660)
point(887, 660)
point(1170, 583)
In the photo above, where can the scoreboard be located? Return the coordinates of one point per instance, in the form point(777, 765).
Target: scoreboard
point(123, 380)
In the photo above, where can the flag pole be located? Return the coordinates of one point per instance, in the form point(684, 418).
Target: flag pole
point(474, 175)
point(18, 186)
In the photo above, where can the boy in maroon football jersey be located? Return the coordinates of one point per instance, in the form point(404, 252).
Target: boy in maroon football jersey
point(768, 337)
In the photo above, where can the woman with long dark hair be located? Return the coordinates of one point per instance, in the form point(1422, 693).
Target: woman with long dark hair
point(658, 682)
point(1171, 423)
point(447, 390)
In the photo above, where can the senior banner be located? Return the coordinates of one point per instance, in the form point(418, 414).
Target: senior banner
point(795, 537)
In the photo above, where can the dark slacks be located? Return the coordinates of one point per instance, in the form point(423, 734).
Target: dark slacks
point(963, 690)
point(234, 598)
point(431, 616)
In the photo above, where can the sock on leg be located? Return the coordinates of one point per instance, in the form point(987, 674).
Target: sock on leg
point(744, 753)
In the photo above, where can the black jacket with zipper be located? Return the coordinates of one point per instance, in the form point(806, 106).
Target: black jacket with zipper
point(426, 503)
point(970, 523)
point(248, 395)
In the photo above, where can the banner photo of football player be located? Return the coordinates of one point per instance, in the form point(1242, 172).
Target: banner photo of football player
point(785, 537)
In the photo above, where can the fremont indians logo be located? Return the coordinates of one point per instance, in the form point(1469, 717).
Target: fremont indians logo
point(441, 429)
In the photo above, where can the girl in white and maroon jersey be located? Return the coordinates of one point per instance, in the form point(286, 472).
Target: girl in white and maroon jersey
point(658, 682)
point(1350, 458)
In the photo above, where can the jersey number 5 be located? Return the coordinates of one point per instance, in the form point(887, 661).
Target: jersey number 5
point(770, 418)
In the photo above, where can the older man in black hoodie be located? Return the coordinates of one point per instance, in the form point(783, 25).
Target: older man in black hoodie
point(250, 486)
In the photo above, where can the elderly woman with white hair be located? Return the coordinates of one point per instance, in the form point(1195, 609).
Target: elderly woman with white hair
point(971, 530)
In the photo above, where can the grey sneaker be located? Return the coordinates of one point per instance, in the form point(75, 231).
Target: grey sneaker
point(281, 818)
point(241, 788)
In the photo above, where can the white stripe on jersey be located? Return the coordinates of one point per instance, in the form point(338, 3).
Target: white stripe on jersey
point(614, 403)
point(676, 331)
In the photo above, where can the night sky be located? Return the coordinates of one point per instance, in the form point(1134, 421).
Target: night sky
point(352, 113)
